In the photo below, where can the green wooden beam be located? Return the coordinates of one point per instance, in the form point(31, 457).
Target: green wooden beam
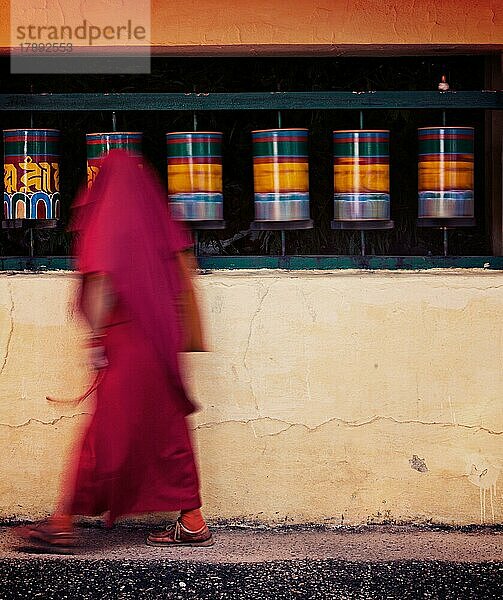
point(489, 100)
point(37, 263)
point(351, 262)
point(292, 263)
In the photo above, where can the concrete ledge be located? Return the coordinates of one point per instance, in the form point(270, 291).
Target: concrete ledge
point(243, 545)
point(293, 563)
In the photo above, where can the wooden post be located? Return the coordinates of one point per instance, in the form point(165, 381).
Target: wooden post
point(494, 156)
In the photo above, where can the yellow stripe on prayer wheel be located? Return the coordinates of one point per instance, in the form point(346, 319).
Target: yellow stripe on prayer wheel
point(200, 177)
point(355, 178)
point(445, 175)
point(281, 177)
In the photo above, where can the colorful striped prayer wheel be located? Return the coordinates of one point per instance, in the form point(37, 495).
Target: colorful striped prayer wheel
point(446, 172)
point(31, 173)
point(100, 144)
point(361, 175)
point(195, 175)
point(281, 174)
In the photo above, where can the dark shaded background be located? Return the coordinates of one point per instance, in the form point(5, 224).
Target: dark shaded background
point(269, 74)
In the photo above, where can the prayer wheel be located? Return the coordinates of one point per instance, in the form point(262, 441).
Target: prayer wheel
point(445, 173)
point(281, 175)
point(195, 175)
point(31, 174)
point(361, 175)
point(100, 144)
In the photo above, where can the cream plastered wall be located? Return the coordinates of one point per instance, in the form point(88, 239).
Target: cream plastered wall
point(329, 397)
point(240, 26)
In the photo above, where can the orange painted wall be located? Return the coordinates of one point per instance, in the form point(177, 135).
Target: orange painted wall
point(251, 25)
point(278, 22)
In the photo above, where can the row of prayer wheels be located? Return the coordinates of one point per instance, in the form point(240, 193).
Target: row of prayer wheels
point(280, 168)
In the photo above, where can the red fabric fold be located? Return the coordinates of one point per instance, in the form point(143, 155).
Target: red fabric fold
point(125, 229)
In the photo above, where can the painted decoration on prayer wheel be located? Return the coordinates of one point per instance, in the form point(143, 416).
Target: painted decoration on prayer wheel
point(100, 144)
point(361, 175)
point(195, 175)
point(446, 172)
point(31, 173)
point(281, 174)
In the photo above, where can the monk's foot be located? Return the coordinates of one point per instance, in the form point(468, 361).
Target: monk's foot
point(178, 535)
point(47, 536)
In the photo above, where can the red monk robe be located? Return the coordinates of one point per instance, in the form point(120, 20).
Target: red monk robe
point(136, 455)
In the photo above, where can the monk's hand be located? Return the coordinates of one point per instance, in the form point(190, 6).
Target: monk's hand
point(97, 354)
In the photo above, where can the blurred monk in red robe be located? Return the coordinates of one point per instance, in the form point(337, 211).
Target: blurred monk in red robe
point(137, 296)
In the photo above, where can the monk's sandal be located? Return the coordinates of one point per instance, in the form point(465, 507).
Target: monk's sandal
point(178, 535)
point(44, 536)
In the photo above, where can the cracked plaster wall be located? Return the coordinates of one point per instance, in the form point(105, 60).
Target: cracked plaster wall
point(189, 24)
point(328, 396)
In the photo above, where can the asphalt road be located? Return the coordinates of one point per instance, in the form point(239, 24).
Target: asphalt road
point(250, 564)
